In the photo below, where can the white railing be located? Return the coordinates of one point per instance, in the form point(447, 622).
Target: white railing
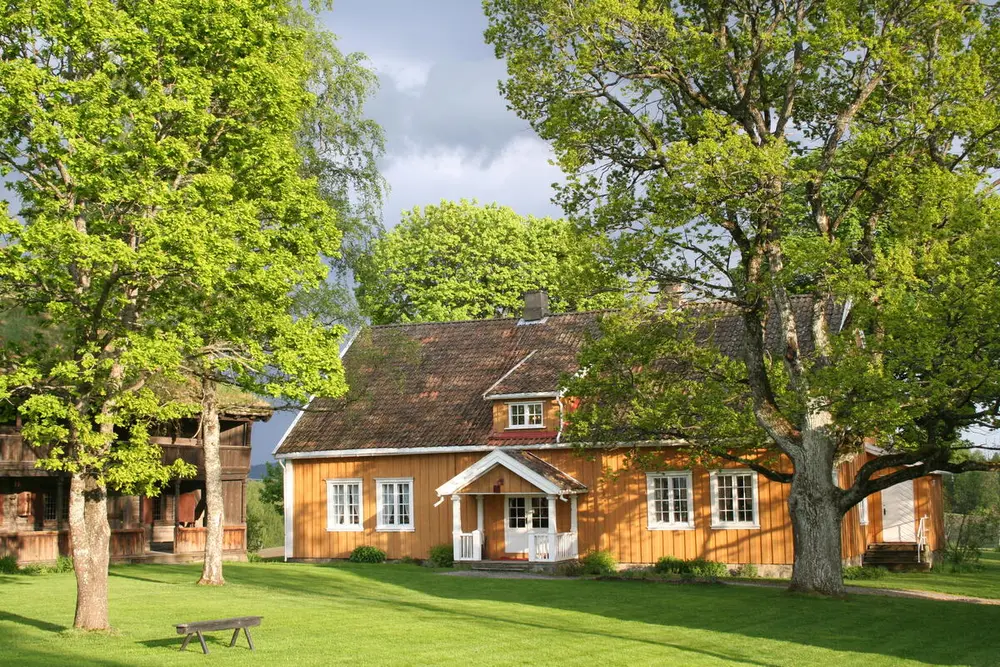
point(566, 548)
point(468, 546)
point(542, 549)
point(921, 538)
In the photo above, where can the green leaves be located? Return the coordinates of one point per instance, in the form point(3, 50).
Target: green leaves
point(461, 261)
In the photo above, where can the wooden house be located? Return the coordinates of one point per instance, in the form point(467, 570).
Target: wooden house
point(34, 502)
point(453, 433)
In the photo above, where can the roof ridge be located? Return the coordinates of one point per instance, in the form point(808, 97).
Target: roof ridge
point(397, 325)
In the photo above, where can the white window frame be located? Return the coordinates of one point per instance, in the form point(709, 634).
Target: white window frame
point(836, 476)
point(526, 404)
point(717, 523)
point(395, 528)
point(345, 527)
point(863, 511)
point(651, 521)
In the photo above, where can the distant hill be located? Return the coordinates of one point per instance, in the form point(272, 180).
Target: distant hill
point(258, 471)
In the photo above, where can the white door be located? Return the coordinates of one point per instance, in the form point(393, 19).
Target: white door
point(898, 516)
point(523, 515)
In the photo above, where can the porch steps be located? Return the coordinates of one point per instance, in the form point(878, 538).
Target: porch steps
point(895, 556)
point(511, 566)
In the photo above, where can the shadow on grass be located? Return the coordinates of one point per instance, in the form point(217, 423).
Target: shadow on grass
point(33, 622)
point(899, 628)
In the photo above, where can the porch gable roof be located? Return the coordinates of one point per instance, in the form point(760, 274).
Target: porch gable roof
point(545, 476)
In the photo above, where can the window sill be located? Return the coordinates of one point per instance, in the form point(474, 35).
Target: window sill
point(532, 427)
point(344, 529)
point(670, 526)
point(735, 526)
point(394, 529)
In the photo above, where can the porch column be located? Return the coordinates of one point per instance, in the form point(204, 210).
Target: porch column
point(456, 514)
point(480, 513)
point(572, 513)
point(552, 519)
point(456, 526)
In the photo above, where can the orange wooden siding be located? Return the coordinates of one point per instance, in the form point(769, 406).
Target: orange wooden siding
point(612, 514)
point(500, 480)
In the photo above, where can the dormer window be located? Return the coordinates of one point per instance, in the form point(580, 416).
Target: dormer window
point(525, 415)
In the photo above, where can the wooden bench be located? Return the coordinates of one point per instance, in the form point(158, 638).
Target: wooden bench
point(236, 624)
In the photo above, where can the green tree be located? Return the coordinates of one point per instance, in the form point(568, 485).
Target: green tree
point(462, 261)
point(272, 490)
point(974, 491)
point(155, 152)
point(759, 152)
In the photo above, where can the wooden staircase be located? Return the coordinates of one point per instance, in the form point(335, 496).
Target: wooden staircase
point(895, 556)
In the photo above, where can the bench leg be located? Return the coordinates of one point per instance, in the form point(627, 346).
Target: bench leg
point(236, 635)
point(246, 631)
point(187, 640)
point(201, 638)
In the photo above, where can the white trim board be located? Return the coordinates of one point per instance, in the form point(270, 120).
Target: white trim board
point(456, 449)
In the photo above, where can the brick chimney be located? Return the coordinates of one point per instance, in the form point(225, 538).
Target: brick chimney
point(671, 295)
point(536, 305)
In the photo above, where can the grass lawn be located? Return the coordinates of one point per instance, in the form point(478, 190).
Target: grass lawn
point(403, 614)
point(984, 583)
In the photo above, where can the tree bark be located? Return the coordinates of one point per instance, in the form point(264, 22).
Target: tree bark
point(816, 520)
point(90, 534)
point(211, 574)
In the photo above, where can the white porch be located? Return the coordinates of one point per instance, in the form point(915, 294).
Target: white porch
point(531, 524)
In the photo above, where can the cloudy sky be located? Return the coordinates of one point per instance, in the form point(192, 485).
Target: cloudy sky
point(448, 132)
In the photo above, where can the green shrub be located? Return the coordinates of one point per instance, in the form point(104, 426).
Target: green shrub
point(697, 567)
point(33, 569)
point(8, 565)
point(63, 564)
point(367, 555)
point(410, 560)
point(671, 565)
point(598, 562)
point(442, 555)
point(855, 573)
point(746, 571)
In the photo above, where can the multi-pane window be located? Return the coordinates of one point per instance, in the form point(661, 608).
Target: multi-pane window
point(343, 498)
point(525, 415)
point(734, 495)
point(863, 512)
point(517, 513)
point(50, 511)
point(158, 507)
point(539, 512)
point(395, 504)
point(669, 500)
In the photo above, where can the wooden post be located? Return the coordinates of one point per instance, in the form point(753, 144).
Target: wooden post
point(552, 519)
point(456, 514)
point(59, 502)
point(572, 513)
point(480, 513)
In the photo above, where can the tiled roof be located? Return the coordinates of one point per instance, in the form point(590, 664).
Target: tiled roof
point(423, 385)
point(548, 471)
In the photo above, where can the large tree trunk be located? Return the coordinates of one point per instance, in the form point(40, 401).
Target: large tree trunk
point(90, 534)
point(816, 522)
point(211, 574)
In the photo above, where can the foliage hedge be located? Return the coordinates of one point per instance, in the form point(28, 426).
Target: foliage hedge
point(854, 573)
point(697, 567)
point(367, 554)
point(442, 555)
point(598, 562)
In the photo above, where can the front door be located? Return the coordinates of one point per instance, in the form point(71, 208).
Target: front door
point(524, 515)
point(897, 513)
